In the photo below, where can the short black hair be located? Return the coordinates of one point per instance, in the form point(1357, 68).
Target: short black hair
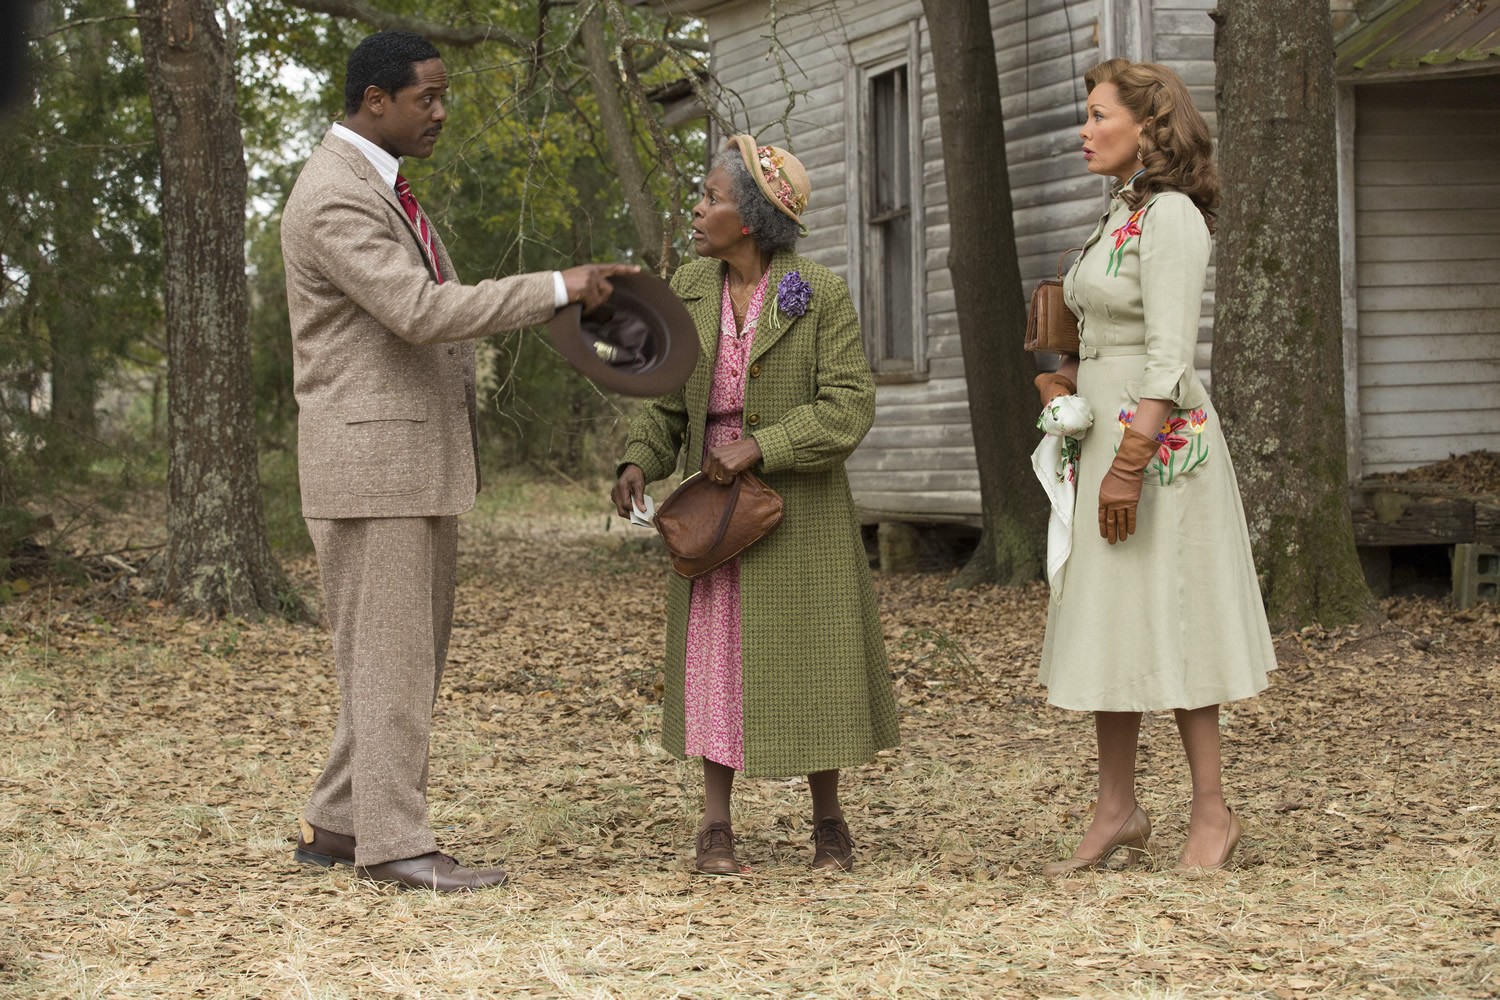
point(384, 60)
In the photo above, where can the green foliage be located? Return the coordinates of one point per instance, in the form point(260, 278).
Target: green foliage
point(281, 503)
point(80, 254)
point(521, 181)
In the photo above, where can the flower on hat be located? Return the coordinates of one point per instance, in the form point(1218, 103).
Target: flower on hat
point(771, 164)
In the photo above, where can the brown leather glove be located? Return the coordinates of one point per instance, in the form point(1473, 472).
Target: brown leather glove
point(1120, 490)
point(1051, 385)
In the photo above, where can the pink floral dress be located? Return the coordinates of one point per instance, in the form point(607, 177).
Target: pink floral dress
point(712, 693)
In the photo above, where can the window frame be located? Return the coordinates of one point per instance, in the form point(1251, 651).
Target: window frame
point(871, 57)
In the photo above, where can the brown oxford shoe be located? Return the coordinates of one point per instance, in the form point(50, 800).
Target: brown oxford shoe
point(433, 871)
point(715, 855)
point(316, 846)
point(833, 847)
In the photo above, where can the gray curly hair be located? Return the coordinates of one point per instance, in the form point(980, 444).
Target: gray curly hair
point(770, 228)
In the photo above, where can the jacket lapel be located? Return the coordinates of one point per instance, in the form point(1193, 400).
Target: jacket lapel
point(366, 170)
point(773, 323)
point(704, 298)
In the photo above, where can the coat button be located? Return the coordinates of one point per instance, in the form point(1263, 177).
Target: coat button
point(753, 419)
point(755, 370)
point(452, 350)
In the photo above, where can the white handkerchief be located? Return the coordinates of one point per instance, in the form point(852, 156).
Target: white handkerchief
point(1065, 421)
point(643, 517)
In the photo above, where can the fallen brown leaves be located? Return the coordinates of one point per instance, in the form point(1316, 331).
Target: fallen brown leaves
point(153, 769)
point(1472, 472)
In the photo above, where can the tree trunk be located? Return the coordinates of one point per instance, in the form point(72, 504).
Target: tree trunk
point(987, 293)
point(72, 337)
point(1278, 331)
point(620, 142)
point(218, 561)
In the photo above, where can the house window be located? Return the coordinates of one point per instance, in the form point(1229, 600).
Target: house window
point(890, 221)
point(886, 230)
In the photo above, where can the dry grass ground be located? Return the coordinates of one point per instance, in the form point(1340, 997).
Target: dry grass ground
point(152, 769)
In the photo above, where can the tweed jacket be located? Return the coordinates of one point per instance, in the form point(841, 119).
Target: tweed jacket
point(387, 420)
point(815, 680)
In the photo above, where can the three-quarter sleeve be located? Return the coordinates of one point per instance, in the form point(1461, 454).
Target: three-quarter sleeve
point(1174, 249)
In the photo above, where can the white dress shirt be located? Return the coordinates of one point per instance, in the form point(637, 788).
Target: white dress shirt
point(388, 166)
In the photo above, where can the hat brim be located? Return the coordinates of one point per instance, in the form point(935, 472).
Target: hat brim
point(673, 352)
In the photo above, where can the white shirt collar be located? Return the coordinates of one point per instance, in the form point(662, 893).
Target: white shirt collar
point(384, 163)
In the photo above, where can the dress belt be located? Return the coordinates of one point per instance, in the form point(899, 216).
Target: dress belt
point(1110, 350)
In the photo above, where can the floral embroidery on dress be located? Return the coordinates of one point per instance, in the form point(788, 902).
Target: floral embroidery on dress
point(1123, 235)
point(1180, 445)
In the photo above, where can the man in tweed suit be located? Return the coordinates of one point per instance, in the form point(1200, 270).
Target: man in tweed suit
point(384, 374)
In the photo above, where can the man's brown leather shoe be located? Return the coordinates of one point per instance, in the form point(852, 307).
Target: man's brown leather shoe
point(316, 846)
point(433, 871)
point(833, 848)
point(715, 855)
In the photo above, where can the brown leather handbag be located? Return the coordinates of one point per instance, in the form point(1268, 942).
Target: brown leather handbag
point(705, 524)
point(1050, 324)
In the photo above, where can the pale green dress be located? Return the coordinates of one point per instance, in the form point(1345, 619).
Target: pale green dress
point(1171, 617)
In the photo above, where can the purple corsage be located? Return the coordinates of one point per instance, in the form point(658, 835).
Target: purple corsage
point(793, 295)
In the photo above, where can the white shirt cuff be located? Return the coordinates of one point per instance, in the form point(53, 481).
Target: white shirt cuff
point(559, 290)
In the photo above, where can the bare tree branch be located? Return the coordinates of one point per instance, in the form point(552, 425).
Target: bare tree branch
point(680, 44)
point(654, 247)
point(82, 22)
point(448, 34)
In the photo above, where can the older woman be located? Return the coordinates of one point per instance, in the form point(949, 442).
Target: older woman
point(775, 662)
point(1159, 608)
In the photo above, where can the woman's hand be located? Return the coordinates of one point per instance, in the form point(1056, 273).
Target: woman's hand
point(629, 491)
point(723, 463)
point(1051, 385)
point(1120, 490)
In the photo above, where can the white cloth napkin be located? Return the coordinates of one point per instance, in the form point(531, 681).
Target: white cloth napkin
point(1064, 421)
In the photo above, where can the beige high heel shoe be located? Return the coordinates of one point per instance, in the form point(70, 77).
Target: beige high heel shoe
point(1231, 841)
point(1131, 838)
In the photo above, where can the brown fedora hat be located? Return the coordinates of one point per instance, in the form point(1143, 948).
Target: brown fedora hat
point(642, 342)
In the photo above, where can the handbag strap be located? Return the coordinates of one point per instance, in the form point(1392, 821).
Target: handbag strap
point(1062, 256)
point(734, 499)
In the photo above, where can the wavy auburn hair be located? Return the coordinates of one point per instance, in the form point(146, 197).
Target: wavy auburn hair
point(1175, 146)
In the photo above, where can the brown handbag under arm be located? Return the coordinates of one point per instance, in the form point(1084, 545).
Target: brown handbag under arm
point(1050, 324)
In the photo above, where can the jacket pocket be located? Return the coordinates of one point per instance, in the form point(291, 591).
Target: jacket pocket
point(384, 445)
point(1182, 440)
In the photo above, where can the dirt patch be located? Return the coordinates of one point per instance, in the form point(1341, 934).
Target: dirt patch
point(153, 768)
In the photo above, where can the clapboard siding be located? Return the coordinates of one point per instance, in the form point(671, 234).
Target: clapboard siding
point(1182, 37)
point(959, 505)
point(1427, 372)
point(1434, 224)
point(960, 458)
point(1441, 338)
point(1427, 247)
point(911, 460)
point(1465, 238)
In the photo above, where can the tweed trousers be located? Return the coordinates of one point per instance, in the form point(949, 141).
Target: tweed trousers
point(388, 596)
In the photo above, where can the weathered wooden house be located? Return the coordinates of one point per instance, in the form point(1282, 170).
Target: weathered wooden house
point(1419, 128)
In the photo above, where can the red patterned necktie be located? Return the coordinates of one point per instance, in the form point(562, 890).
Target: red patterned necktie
point(414, 213)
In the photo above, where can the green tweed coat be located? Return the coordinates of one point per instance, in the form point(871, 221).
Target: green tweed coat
point(816, 685)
